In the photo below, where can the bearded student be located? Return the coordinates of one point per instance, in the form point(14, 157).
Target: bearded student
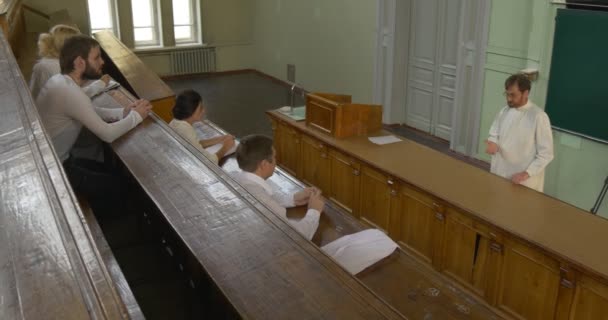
point(65, 108)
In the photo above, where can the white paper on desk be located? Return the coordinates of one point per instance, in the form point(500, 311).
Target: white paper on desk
point(216, 147)
point(384, 139)
point(355, 252)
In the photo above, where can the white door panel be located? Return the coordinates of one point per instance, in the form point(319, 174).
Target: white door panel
point(433, 64)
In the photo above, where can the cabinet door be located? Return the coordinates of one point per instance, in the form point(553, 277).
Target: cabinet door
point(345, 181)
point(590, 300)
point(375, 197)
point(290, 149)
point(315, 165)
point(528, 282)
point(417, 223)
point(466, 250)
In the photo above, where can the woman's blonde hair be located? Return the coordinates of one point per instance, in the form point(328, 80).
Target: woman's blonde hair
point(50, 44)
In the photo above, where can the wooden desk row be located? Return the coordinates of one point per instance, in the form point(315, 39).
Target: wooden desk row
point(50, 267)
point(527, 255)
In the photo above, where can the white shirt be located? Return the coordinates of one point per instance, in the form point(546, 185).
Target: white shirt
point(45, 68)
point(64, 108)
point(525, 143)
point(186, 130)
point(277, 203)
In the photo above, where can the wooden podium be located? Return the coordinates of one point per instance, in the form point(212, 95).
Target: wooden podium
point(334, 114)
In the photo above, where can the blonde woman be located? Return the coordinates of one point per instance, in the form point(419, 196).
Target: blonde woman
point(49, 47)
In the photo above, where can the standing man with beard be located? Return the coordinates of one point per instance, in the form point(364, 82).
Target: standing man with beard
point(520, 141)
point(64, 108)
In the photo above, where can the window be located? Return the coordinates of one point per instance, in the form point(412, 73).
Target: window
point(101, 15)
point(148, 31)
point(145, 23)
point(185, 17)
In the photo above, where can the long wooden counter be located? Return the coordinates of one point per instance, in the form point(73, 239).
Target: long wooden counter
point(50, 267)
point(528, 255)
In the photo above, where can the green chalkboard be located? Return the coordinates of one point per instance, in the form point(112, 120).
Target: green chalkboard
point(577, 99)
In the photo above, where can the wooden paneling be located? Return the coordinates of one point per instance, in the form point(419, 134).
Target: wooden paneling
point(590, 300)
point(289, 143)
point(375, 197)
point(496, 248)
point(315, 165)
point(528, 283)
point(345, 181)
point(513, 211)
point(417, 223)
point(466, 251)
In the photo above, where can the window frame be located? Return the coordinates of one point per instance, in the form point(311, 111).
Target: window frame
point(194, 26)
point(114, 17)
point(156, 17)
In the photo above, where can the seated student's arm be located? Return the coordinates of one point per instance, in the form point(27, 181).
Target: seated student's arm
point(108, 132)
point(111, 114)
point(206, 143)
point(96, 86)
point(306, 226)
point(227, 144)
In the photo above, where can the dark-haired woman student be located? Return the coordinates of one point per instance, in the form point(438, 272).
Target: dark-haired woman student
point(189, 109)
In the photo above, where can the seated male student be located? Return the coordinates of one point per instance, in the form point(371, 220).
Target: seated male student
point(65, 108)
point(189, 109)
point(354, 252)
point(257, 159)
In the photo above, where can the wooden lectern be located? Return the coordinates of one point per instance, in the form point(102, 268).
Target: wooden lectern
point(335, 115)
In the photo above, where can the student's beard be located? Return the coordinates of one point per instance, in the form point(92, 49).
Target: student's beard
point(90, 73)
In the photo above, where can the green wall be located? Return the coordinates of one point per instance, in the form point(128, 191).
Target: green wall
point(332, 43)
point(521, 36)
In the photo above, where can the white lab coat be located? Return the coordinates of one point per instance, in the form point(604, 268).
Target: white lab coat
point(525, 143)
point(278, 203)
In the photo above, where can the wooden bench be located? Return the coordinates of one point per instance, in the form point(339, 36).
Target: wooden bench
point(50, 267)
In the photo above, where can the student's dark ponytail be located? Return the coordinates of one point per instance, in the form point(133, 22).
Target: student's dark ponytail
point(185, 104)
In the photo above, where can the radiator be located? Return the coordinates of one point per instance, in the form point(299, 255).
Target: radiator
point(193, 61)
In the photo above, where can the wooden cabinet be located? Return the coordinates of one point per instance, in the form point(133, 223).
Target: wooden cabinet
point(527, 281)
point(511, 274)
point(465, 251)
point(375, 194)
point(589, 300)
point(345, 181)
point(287, 145)
point(417, 223)
point(315, 165)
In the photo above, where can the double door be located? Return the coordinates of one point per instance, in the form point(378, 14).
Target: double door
point(432, 65)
